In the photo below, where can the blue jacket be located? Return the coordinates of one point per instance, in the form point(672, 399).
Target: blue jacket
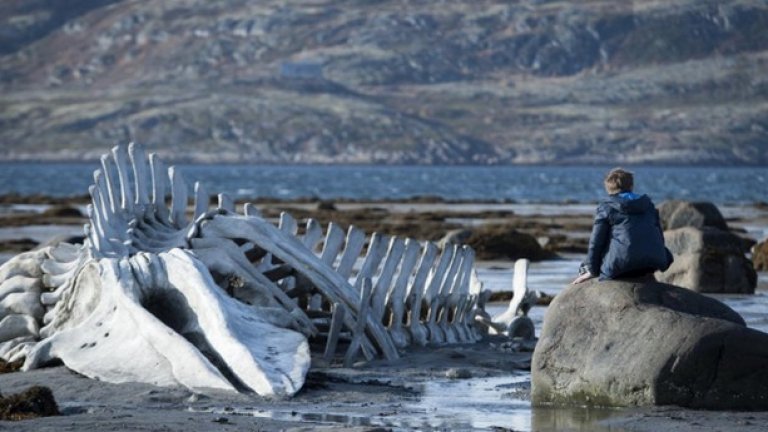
point(627, 238)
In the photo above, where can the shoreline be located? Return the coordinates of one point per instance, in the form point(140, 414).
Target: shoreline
point(16, 198)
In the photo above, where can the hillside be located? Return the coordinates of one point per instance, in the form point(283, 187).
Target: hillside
point(378, 81)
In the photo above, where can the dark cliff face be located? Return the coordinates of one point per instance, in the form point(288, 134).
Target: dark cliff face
point(386, 81)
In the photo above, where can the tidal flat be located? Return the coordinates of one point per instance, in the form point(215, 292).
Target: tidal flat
point(483, 386)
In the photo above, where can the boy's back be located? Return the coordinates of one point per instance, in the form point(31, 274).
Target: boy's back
point(636, 242)
point(627, 238)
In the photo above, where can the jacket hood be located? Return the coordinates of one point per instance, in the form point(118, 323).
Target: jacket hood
point(630, 203)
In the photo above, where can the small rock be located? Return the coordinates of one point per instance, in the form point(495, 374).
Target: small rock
point(63, 211)
point(326, 205)
point(221, 420)
point(14, 366)
point(36, 401)
point(458, 373)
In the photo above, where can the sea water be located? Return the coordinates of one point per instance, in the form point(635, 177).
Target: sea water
point(527, 184)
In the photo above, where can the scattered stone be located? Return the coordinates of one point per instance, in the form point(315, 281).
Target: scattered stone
point(677, 214)
point(631, 343)
point(17, 245)
point(563, 243)
point(458, 373)
point(62, 211)
point(14, 366)
point(501, 296)
point(36, 401)
point(708, 260)
point(326, 205)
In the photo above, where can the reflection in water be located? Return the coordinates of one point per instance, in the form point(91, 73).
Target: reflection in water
point(480, 403)
point(483, 404)
point(573, 419)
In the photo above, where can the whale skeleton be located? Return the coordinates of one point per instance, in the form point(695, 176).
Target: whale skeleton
point(224, 300)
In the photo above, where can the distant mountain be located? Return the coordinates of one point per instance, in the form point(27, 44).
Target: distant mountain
point(377, 81)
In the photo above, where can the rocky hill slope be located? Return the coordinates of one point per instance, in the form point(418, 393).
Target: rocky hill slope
point(387, 81)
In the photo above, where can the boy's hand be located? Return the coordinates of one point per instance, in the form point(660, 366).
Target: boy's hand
point(582, 278)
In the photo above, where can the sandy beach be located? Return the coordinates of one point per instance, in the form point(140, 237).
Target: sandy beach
point(483, 386)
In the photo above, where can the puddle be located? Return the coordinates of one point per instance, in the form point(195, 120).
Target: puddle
point(575, 419)
point(481, 404)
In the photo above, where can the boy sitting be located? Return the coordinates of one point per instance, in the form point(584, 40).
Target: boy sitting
point(627, 239)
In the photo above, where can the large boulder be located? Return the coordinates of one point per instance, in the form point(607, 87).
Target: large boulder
point(708, 260)
point(640, 343)
point(677, 214)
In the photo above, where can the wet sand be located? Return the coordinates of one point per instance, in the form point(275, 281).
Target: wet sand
point(483, 386)
point(415, 393)
point(405, 394)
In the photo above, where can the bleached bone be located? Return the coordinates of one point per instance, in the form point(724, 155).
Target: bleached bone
point(441, 280)
point(514, 322)
point(396, 297)
point(223, 300)
point(416, 329)
point(291, 251)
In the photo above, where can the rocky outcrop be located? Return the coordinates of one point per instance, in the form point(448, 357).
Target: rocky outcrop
point(498, 241)
point(677, 214)
point(636, 343)
point(708, 260)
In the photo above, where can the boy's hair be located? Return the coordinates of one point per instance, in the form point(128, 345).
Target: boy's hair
point(618, 180)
